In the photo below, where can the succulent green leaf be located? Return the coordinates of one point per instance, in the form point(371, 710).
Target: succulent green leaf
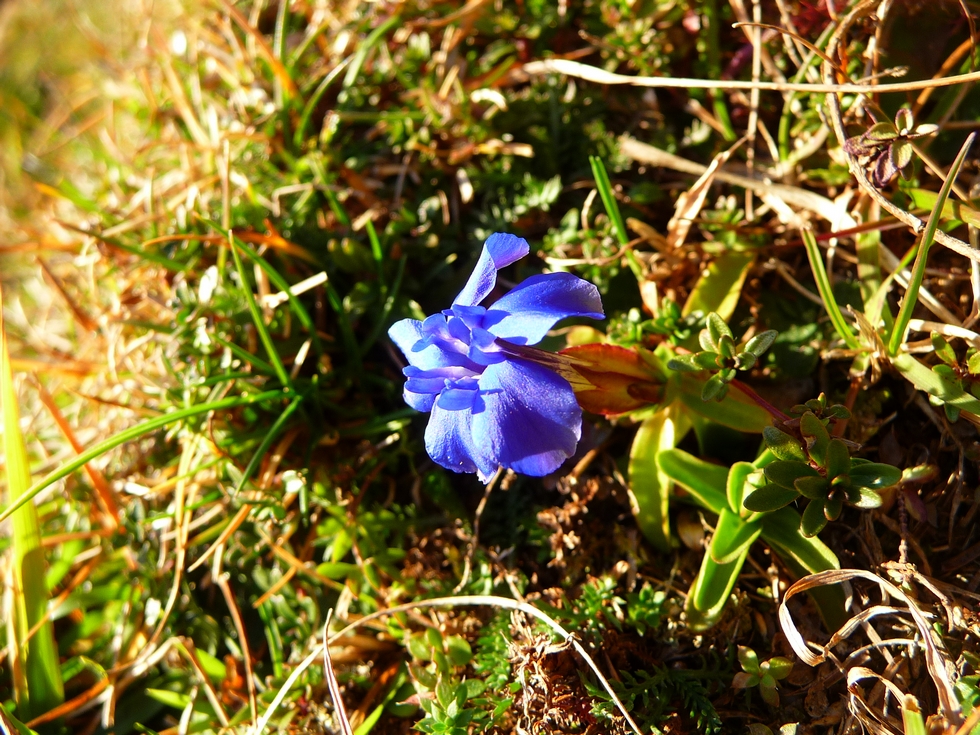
point(733, 537)
point(716, 328)
point(973, 363)
point(714, 389)
point(779, 667)
point(881, 132)
point(769, 498)
point(783, 445)
point(685, 363)
point(814, 488)
point(813, 519)
point(952, 412)
point(944, 350)
point(749, 660)
point(703, 480)
point(743, 680)
point(786, 473)
point(838, 411)
point(745, 361)
point(769, 694)
point(838, 458)
point(904, 121)
point(901, 154)
point(708, 360)
point(726, 346)
point(832, 509)
point(816, 436)
point(737, 478)
point(875, 475)
point(761, 342)
point(864, 498)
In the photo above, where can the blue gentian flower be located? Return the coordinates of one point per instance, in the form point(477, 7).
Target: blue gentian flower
point(493, 403)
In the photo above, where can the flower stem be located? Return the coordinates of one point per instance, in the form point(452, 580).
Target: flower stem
point(775, 412)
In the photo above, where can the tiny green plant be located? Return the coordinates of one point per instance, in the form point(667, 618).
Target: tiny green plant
point(820, 468)
point(720, 355)
point(764, 675)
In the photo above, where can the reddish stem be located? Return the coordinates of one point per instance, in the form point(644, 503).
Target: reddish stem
point(762, 402)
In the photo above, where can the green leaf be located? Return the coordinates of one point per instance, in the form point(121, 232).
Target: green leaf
point(749, 660)
point(716, 329)
point(826, 290)
point(459, 650)
point(814, 488)
point(733, 537)
point(881, 132)
point(36, 669)
point(945, 390)
point(735, 488)
point(707, 483)
point(973, 363)
point(786, 473)
point(769, 498)
point(944, 350)
point(737, 411)
point(838, 458)
point(686, 363)
point(761, 342)
point(781, 529)
point(816, 436)
point(832, 509)
point(866, 498)
point(608, 196)
point(714, 389)
point(813, 518)
point(708, 360)
point(875, 475)
point(718, 290)
point(897, 337)
point(649, 484)
point(783, 445)
point(710, 591)
point(901, 153)
point(779, 667)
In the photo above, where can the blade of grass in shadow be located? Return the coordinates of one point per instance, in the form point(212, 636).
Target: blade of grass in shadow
point(267, 440)
point(826, 290)
point(38, 687)
point(604, 186)
point(260, 327)
point(897, 337)
point(297, 306)
point(134, 433)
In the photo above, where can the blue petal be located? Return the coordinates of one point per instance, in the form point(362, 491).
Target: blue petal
point(419, 401)
point(449, 441)
point(526, 313)
point(531, 421)
point(499, 250)
point(408, 336)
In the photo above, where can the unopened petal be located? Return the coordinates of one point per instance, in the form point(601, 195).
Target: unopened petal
point(531, 421)
point(526, 313)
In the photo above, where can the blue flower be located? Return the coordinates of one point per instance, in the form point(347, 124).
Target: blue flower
point(491, 405)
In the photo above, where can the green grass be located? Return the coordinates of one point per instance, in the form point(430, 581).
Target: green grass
point(173, 171)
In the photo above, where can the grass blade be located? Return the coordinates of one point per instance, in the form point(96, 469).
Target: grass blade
point(134, 433)
point(827, 291)
point(37, 671)
point(604, 186)
point(897, 337)
point(260, 327)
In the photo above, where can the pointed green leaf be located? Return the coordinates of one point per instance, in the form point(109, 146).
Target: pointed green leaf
point(783, 445)
point(769, 498)
point(717, 329)
point(832, 509)
point(785, 473)
point(649, 484)
point(714, 389)
point(733, 537)
point(944, 350)
point(838, 458)
point(813, 518)
point(875, 475)
point(737, 477)
point(749, 660)
point(814, 488)
point(816, 436)
point(718, 289)
point(924, 379)
point(761, 342)
point(706, 482)
point(685, 363)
